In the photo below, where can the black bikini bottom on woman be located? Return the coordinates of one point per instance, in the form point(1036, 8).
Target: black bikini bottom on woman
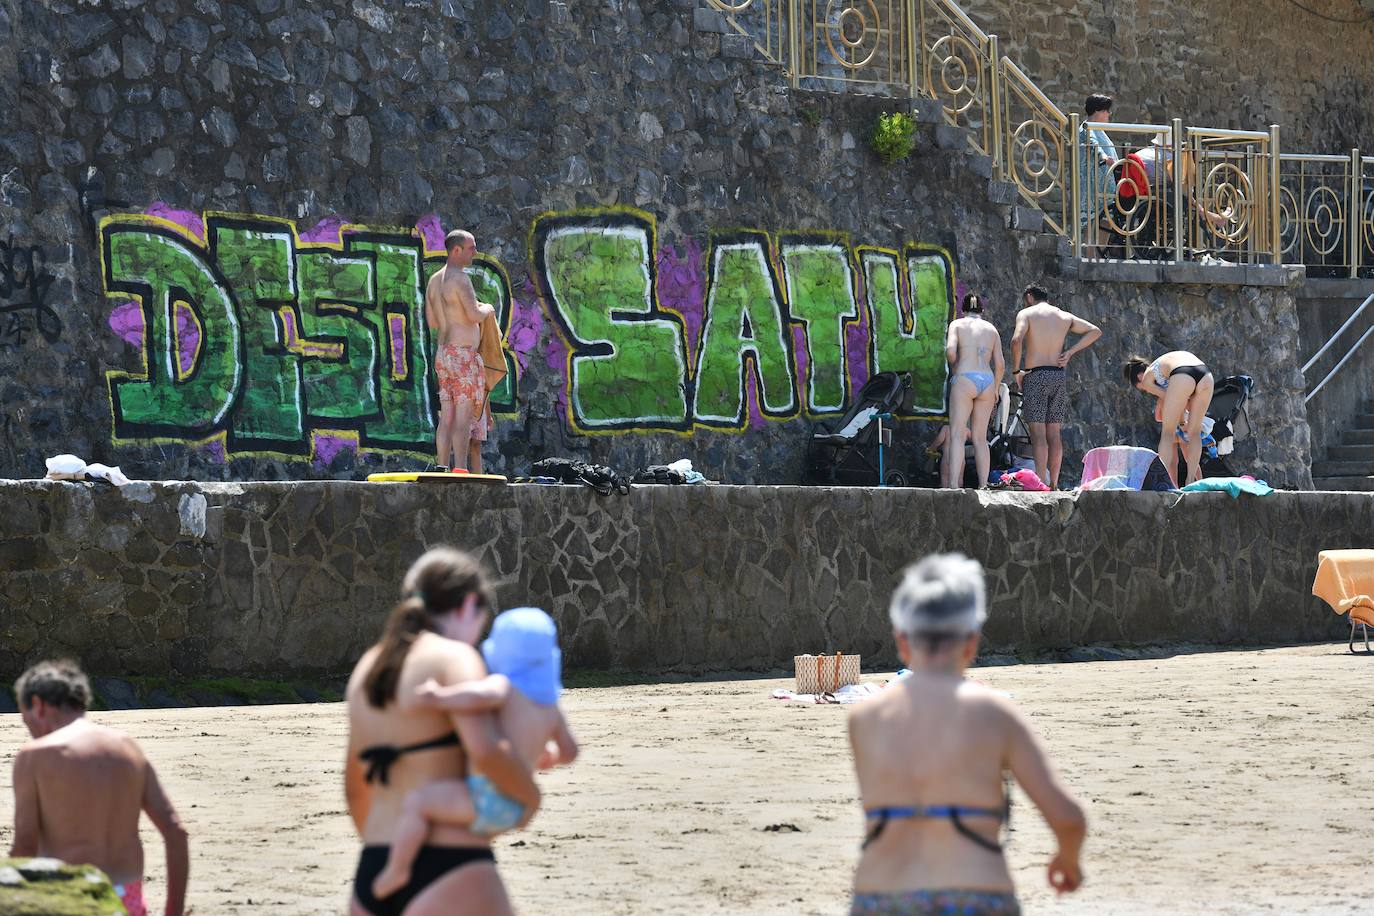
point(431, 864)
point(1196, 373)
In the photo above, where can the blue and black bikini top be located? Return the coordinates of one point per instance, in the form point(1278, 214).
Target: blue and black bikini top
point(955, 813)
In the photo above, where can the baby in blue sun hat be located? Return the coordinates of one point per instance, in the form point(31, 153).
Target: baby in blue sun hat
point(522, 690)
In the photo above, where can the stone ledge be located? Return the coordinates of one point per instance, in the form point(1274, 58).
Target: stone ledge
point(1190, 274)
point(1332, 288)
point(664, 578)
point(709, 20)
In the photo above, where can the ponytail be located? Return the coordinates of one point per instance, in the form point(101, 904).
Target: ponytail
point(438, 582)
point(408, 620)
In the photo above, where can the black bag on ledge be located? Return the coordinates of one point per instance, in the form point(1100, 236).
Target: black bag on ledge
point(599, 477)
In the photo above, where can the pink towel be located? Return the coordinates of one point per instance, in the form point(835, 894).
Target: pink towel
point(1027, 480)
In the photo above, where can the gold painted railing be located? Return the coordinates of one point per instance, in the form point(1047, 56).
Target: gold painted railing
point(1234, 195)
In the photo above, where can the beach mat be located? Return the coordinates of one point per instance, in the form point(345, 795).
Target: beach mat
point(434, 477)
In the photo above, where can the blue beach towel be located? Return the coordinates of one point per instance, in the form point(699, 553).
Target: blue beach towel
point(1233, 485)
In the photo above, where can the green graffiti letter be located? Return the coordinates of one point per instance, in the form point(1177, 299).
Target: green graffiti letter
point(407, 411)
point(162, 270)
point(820, 296)
point(744, 327)
point(909, 336)
point(627, 366)
point(258, 264)
point(339, 336)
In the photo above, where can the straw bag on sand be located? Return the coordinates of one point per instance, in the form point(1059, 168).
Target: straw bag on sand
point(825, 673)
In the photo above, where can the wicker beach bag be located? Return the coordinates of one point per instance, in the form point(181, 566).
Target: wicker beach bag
point(825, 673)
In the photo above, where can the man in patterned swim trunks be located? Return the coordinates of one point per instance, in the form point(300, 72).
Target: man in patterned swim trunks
point(452, 309)
point(1041, 331)
point(79, 789)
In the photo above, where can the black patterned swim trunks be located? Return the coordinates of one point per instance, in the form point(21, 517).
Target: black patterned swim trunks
point(1044, 396)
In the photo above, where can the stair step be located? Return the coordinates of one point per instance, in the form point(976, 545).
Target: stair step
point(1351, 451)
point(1342, 468)
point(1345, 484)
point(1358, 437)
point(1362, 421)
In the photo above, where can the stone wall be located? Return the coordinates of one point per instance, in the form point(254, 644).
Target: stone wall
point(294, 579)
point(1213, 63)
point(216, 219)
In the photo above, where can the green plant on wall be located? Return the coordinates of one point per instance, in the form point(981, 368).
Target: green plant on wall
point(894, 136)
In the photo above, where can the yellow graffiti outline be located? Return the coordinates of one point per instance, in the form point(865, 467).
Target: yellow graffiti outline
point(592, 212)
point(183, 375)
point(300, 344)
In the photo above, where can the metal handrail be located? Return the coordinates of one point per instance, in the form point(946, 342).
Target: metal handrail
point(1341, 330)
point(935, 49)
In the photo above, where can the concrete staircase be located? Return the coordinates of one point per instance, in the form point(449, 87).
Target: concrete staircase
point(1350, 465)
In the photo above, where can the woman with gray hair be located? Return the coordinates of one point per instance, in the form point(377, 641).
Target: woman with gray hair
point(931, 752)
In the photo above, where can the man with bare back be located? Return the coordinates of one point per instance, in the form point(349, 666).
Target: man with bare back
point(452, 309)
point(79, 789)
point(1041, 331)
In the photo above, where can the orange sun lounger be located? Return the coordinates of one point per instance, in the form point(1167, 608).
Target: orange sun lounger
point(1345, 581)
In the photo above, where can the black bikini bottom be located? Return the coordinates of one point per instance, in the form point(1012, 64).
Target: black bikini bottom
point(431, 864)
point(1196, 373)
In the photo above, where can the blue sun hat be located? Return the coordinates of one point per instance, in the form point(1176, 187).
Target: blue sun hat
point(523, 646)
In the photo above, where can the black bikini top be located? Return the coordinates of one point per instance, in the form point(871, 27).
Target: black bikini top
point(380, 757)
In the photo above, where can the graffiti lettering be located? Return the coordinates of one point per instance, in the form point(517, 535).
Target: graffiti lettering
point(805, 314)
point(24, 285)
point(271, 340)
point(252, 333)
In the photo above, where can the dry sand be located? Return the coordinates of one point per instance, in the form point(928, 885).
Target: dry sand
point(1228, 782)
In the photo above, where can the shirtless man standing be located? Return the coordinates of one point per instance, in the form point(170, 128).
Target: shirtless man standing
point(1041, 330)
point(79, 788)
point(452, 309)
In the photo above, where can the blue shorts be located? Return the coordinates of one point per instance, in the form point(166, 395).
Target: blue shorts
point(495, 812)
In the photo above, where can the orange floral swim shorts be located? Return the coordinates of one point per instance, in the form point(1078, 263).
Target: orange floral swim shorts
point(463, 380)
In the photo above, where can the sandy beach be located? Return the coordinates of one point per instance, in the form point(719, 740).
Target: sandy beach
point(1223, 782)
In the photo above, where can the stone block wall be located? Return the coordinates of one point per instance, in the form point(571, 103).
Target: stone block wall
point(217, 217)
point(295, 579)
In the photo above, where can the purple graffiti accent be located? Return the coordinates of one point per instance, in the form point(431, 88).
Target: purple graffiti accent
point(526, 324)
point(127, 321)
point(186, 219)
point(400, 366)
point(328, 231)
point(682, 288)
point(327, 448)
point(752, 396)
point(960, 291)
point(214, 451)
point(432, 233)
point(856, 345)
point(188, 337)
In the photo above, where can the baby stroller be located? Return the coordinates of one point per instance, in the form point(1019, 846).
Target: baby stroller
point(1230, 421)
point(848, 452)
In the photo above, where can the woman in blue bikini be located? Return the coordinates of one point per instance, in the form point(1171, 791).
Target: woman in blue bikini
point(974, 351)
point(1183, 384)
point(931, 752)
